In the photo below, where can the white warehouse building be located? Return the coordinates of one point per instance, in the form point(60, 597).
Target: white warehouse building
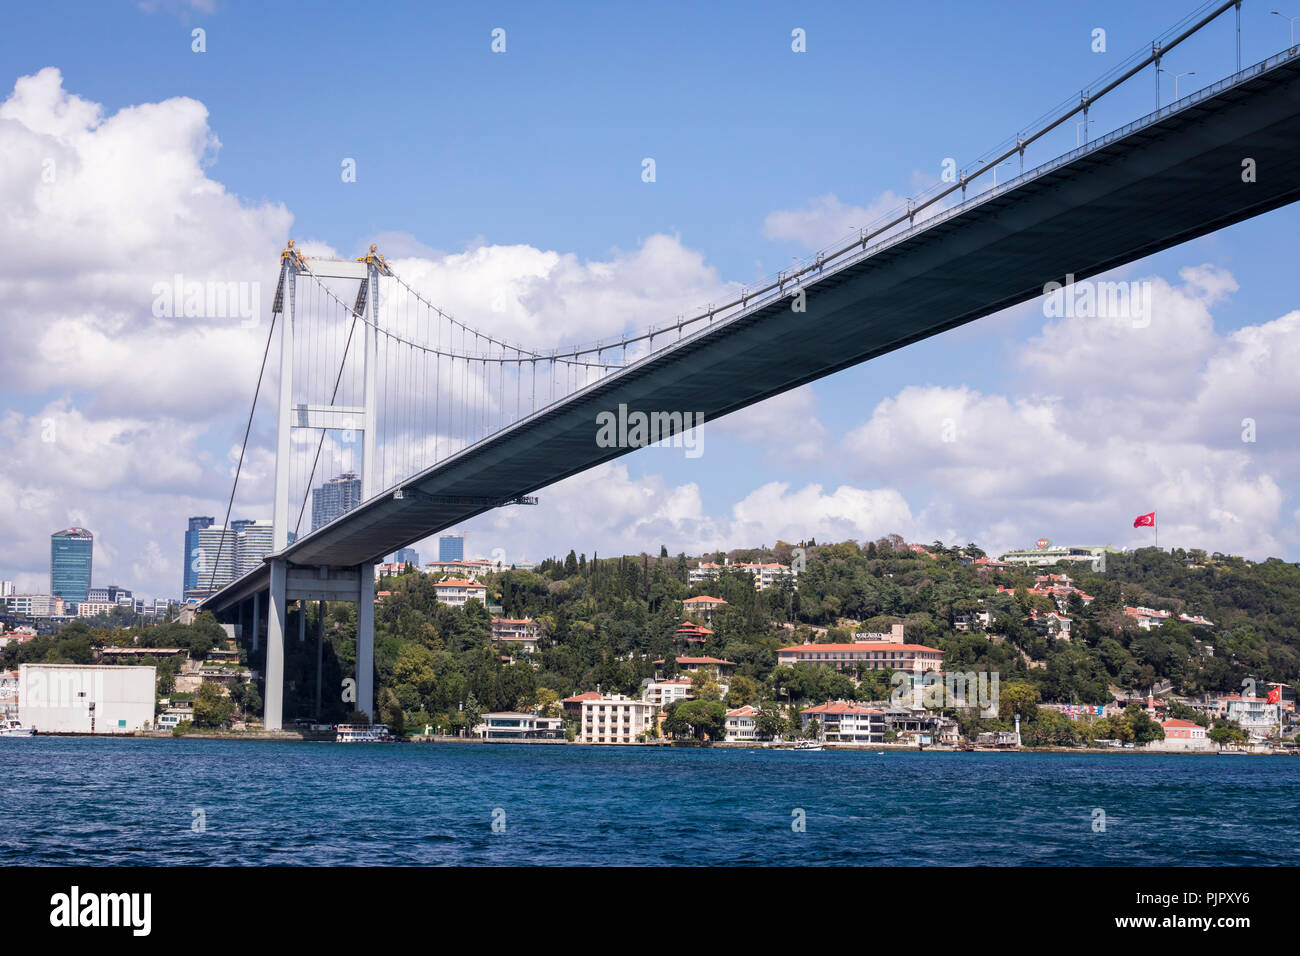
point(85, 698)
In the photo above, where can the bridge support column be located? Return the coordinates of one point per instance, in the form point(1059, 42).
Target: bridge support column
point(257, 618)
point(320, 653)
point(366, 641)
point(302, 622)
point(273, 715)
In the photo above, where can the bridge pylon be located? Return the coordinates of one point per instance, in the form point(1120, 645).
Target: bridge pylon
point(304, 583)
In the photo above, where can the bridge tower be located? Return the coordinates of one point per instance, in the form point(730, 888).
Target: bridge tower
point(305, 583)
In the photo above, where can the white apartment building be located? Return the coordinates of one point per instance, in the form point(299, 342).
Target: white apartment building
point(764, 575)
point(456, 591)
point(520, 633)
point(742, 723)
point(661, 693)
point(615, 720)
point(847, 722)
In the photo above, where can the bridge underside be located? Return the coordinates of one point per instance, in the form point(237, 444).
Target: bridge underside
point(1162, 184)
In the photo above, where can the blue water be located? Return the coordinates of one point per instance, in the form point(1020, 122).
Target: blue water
point(83, 801)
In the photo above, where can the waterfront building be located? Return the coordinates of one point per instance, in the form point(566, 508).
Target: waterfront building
point(87, 698)
point(8, 695)
point(71, 556)
point(741, 724)
point(507, 725)
point(846, 721)
point(451, 547)
point(615, 720)
point(876, 655)
point(456, 591)
point(573, 705)
point(661, 693)
point(334, 498)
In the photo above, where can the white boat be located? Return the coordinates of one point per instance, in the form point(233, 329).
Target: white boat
point(12, 728)
point(362, 733)
point(808, 745)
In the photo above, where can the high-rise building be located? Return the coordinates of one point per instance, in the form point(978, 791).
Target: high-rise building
point(71, 552)
point(407, 556)
point(335, 497)
point(190, 578)
point(255, 541)
point(7, 588)
point(451, 547)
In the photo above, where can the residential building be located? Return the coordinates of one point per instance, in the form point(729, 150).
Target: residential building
point(334, 498)
point(704, 605)
point(521, 633)
point(764, 575)
point(93, 608)
point(980, 620)
point(507, 725)
point(692, 633)
point(8, 695)
point(742, 724)
point(876, 655)
point(253, 543)
point(1255, 715)
point(1183, 735)
point(456, 591)
point(573, 705)
point(615, 720)
point(71, 555)
point(451, 547)
point(172, 716)
point(661, 692)
point(698, 663)
point(844, 721)
point(189, 573)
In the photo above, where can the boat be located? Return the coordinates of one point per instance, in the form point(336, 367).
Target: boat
point(362, 733)
point(809, 745)
point(1233, 752)
point(11, 727)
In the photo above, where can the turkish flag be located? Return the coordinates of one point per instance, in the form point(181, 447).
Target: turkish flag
point(1145, 521)
point(1275, 695)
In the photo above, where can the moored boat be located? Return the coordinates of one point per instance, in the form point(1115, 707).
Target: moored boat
point(11, 727)
point(362, 733)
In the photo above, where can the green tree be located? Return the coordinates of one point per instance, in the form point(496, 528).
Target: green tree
point(212, 708)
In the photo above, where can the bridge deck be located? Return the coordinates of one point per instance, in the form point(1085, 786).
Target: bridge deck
point(1174, 176)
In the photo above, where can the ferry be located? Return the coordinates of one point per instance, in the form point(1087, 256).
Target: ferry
point(362, 733)
point(12, 728)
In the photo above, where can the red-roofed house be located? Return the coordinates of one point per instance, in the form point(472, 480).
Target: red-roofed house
point(573, 705)
point(847, 722)
point(742, 723)
point(695, 663)
point(693, 633)
point(456, 591)
point(703, 605)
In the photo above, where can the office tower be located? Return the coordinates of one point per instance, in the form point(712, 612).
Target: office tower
point(334, 498)
point(451, 547)
point(71, 552)
point(190, 577)
point(214, 557)
point(408, 556)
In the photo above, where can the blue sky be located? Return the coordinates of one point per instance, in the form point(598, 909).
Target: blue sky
point(457, 148)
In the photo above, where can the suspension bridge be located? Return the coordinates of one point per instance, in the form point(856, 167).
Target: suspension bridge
point(444, 421)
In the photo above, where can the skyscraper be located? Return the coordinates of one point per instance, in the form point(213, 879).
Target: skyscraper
point(335, 497)
point(451, 547)
point(407, 556)
point(253, 543)
point(71, 552)
point(190, 577)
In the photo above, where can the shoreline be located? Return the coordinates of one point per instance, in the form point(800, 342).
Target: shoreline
point(283, 736)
